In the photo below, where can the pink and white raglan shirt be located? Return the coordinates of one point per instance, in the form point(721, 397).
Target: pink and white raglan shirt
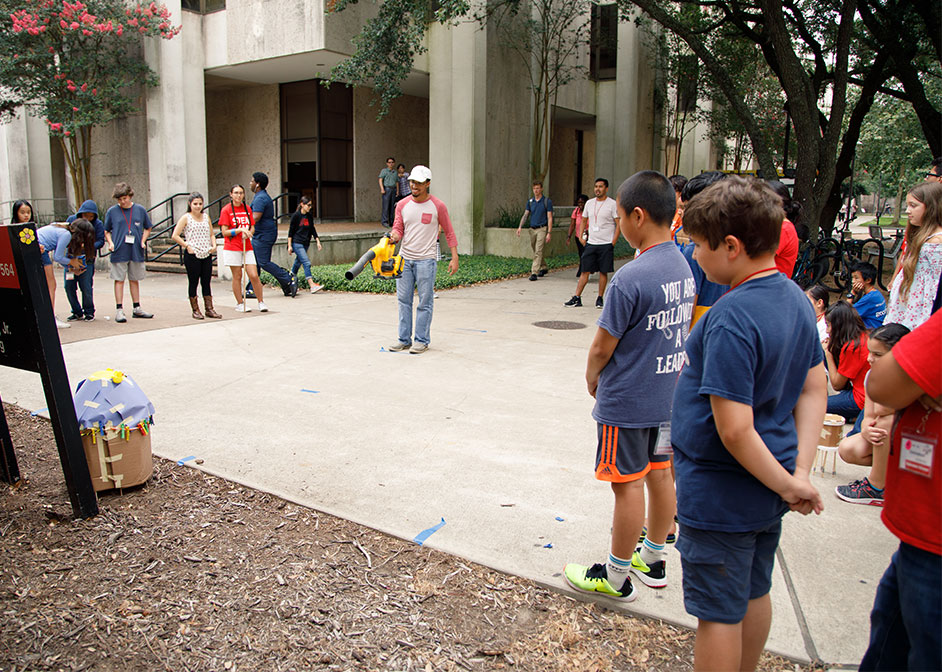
point(417, 224)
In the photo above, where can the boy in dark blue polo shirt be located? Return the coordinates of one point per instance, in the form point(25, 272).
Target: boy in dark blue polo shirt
point(748, 408)
point(868, 300)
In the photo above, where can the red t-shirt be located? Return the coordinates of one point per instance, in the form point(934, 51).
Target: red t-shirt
point(854, 366)
point(912, 508)
point(787, 252)
point(243, 217)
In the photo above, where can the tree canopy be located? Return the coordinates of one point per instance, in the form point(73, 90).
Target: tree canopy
point(76, 65)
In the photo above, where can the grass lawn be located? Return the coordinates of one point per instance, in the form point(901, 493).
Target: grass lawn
point(887, 220)
point(472, 269)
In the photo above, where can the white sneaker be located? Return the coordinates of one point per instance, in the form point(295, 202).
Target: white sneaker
point(315, 288)
point(242, 308)
point(119, 316)
point(62, 325)
point(262, 308)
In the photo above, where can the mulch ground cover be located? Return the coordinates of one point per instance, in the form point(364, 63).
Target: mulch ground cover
point(193, 572)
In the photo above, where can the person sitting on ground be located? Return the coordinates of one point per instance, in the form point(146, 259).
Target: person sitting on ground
point(84, 281)
point(577, 226)
point(299, 241)
point(238, 227)
point(599, 254)
point(787, 253)
point(540, 211)
point(194, 233)
point(677, 224)
point(820, 297)
point(846, 355)
point(747, 412)
point(639, 345)
point(905, 623)
point(871, 446)
point(868, 300)
point(69, 245)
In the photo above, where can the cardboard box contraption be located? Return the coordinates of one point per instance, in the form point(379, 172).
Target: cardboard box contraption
point(115, 419)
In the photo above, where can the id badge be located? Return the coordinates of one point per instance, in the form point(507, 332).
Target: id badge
point(69, 275)
point(916, 453)
point(663, 445)
point(129, 240)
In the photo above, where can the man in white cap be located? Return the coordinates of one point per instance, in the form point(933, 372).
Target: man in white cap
point(418, 218)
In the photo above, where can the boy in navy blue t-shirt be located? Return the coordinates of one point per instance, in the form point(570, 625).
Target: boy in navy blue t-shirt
point(748, 408)
point(631, 371)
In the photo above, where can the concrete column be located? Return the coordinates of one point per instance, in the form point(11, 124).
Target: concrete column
point(457, 124)
point(24, 149)
point(176, 132)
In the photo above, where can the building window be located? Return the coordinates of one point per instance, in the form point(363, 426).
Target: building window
point(203, 6)
point(604, 42)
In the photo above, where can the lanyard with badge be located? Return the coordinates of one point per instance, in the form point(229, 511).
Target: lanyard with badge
point(129, 238)
point(917, 448)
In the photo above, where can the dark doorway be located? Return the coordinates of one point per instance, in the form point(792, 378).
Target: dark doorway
point(317, 147)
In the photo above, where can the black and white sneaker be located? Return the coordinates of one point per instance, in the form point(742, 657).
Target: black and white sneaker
point(574, 301)
point(653, 575)
point(598, 302)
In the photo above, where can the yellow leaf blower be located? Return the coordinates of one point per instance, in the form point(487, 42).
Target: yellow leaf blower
point(382, 257)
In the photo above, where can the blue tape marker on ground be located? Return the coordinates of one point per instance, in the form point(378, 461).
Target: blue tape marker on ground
point(422, 536)
point(560, 519)
point(480, 331)
point(548, 546)
point(185, 459)
point(382, 349)
point(38, 411)
point(311, 391)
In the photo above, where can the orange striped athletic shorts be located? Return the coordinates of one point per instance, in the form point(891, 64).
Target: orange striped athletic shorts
point(627, 453)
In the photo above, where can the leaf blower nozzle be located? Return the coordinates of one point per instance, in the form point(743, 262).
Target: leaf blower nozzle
point(358, 267)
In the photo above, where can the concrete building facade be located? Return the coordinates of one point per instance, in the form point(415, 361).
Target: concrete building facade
point(240, 91)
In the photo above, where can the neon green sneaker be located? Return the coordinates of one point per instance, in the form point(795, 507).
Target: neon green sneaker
point(594, 579)
point(653, 575)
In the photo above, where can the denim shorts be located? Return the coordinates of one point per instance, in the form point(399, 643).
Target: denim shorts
point(724, 570)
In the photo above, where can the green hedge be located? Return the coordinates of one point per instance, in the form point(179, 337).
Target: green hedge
point(471, 271)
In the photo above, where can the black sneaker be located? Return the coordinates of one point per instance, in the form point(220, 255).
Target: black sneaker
point(74, 318)
point(293, 288)
point(574, 301)
point(598, 302)
point(542, 272)
point(653, 575)
point(89, 318)
point(249, 292)
point(532, 277)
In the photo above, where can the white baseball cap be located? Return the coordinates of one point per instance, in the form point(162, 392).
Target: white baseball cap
point(420, 174)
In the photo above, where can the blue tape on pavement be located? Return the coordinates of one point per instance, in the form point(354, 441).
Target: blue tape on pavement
point(548, 546)
point(38, 411)
point(422, 536)
point(185, 459)
point(480, 331)
point(311, 391)
point(560, 519)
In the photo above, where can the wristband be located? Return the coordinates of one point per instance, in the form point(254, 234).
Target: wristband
point(232, 233)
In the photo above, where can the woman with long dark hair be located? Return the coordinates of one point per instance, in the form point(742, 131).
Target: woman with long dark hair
point(300, 233)
point(819, 297)
point(194, 233)
point(238, 227)
point(846, 355)
point(787, 252)
point(69, 245)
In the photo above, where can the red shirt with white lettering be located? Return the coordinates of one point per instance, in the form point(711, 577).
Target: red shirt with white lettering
point(242, 217)
point(912, 507)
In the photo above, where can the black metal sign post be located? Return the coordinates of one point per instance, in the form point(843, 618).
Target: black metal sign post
point(29, 341)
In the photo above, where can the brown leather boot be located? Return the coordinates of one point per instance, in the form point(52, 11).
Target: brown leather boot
point(197, 315)
point(208, 302)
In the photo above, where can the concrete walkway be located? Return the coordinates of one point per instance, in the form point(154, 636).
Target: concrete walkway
point(489, 430)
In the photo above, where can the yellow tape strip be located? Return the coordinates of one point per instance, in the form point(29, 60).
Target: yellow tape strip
point(116, 408)
point(92, 404)
point(102, 460)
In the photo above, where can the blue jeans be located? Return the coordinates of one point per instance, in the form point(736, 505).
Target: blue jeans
point(905, 623)
point(83, 282)
point(416, 275)
point(262, 247)
point(843, 404)
point(300, 259)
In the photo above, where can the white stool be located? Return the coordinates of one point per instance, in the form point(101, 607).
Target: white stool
point(831, 434)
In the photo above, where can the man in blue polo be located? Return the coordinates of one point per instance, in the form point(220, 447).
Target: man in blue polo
point(127, 227)
point(540, 211)
point(266, 233)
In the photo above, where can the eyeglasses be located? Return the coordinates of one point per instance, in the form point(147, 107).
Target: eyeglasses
point(934, 175)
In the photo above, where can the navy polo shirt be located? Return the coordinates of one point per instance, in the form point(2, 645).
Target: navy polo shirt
point(538, 210)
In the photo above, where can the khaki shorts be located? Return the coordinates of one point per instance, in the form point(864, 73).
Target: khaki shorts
point(234, 258)
point(128, 270)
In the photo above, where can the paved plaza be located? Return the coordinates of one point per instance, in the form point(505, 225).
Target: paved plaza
point(489, 430)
